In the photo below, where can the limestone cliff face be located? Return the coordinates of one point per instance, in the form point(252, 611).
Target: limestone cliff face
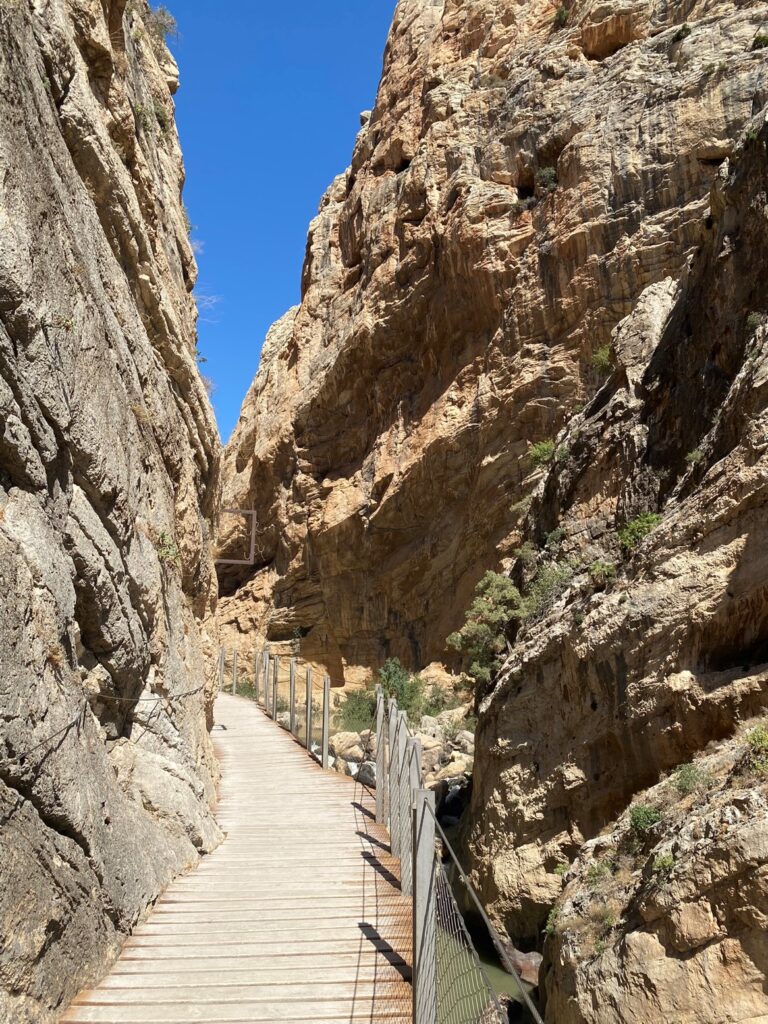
point(670, 921)
point(108, 472)
point(618, 683)
point(532, 188)
point(514, 191)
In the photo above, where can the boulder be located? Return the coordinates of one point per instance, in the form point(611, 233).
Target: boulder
point(347, 745)
point(432, 750)
point(465, 741)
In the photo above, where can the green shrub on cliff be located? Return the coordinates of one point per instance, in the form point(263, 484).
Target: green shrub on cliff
point(636, 529)
point(753, 322)
point(356, 713)
point(561, 16)
point(483, 636)
point(409, 690)
point(601, 573)
point(602, 360)
point(757, 741)
point(546, 179)
point(547, 585)
point(689, 778)
point(541, 453)
point(167, 551)
point(642, 818)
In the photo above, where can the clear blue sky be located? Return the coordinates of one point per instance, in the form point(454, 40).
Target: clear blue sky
point(268, 112)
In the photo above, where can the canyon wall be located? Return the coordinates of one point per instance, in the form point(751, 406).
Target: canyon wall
point(552, 232)
point(108, 479)
point(515, 189)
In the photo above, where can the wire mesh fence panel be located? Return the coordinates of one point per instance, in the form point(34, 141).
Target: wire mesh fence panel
point(283, 704)
point(317, 715)
point(464, 994)
point(300, 732)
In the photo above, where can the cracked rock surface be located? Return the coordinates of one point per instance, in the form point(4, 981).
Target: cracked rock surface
point(108, 476)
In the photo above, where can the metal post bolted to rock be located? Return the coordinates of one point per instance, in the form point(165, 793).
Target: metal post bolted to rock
point(424, 908)
point(381, 758)
point(234, 672)
point(292, 696)
point(393, 790)
point(412, 780)
point(275, 674)
point(222, 659)
point(326, 721)
point(309, 709)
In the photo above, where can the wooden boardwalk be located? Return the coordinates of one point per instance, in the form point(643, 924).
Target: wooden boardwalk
point(296, 917)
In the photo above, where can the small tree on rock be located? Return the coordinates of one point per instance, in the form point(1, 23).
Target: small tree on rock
point(483, 636)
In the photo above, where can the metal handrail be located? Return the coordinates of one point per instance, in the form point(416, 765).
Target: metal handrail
point(407, 809)
point(498, 944)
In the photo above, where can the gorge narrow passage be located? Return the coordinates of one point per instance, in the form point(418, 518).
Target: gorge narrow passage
point(297, 916)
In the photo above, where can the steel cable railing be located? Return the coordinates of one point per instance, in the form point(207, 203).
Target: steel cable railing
point(450, 985)
point(523, 996)
point(463, 992)
point(78, 720)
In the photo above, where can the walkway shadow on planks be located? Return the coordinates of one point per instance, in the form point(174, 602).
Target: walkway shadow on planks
point(390, 954)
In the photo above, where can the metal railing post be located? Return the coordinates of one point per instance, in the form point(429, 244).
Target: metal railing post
point(234, 672)
point(394, 782)
point(411, 779)
point(381, 758)
point(256, 674)
point(266, 679)
point(222, 660)
point(326, 720)
point(403, 794)
point(275, 673)
point(309, 709)
point(424, 908)
point(292, 696)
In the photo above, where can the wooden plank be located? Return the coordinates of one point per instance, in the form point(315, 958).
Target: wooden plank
point(297, 916)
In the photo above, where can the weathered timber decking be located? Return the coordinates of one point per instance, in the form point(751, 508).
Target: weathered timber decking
point(296, 917)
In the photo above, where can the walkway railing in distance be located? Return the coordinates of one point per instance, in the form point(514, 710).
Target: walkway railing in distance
point(290, 695)
point(450, 985)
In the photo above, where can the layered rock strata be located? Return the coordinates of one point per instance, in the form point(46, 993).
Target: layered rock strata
point(108, 475)
point(626, 673)
point(515, 189)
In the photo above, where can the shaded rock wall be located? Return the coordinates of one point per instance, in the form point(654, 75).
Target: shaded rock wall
point(672, 921)
point(108, 476)
point(452, 303)
point(616, 683)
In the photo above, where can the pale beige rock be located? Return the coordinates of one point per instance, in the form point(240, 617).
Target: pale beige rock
point(443, 328)
point(459, 764)
point(108, 481)
point(676, 922)
point(347, 745)
point(432, 749)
